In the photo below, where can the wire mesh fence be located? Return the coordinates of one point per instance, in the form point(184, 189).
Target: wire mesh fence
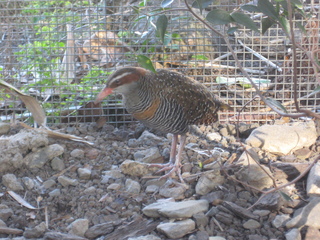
point(61, 52)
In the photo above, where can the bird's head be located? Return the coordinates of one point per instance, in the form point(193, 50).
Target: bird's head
point(121, 81)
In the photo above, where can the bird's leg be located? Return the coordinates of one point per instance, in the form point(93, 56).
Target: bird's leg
point(175, 161)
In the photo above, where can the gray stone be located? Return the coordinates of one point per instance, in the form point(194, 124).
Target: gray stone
point(65, 181)
point(5, 213)
point(114, 186)
point(172, 189)
point(77, 153)
point(57, 164)
point(39, 158)
point(79, 227)
point(84, 173)
point(11, 182)
point(49, 183)
point(306, 216)
point(36, 232)
point(184, 209)
point(28, 182)
point(55, 193)
point(293, 234)
point(176, 229)
point(90, 190)
point(4, 128)
point(132, 187)
point(152, 189)
point(2, 223)
point(146, 237)
point(149, 139)
point(208, 181)
point(214, 136)
point(201, 219)
point(251, 224)
point(217, 238)
point(280, 220)
point(99, 229)
point(313, 181)
point(111, 174)
point(147, 155)
point(261, 213)
point(283, 139)
point(152, 210)
point(271, 201)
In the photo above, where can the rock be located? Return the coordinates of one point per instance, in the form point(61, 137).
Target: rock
point(176, 229)
point(92, 153)
point(172, 189)
point(49, 183)
point(84, 173)
point(90, 190)
point(112, 174)
point(5, 212)
point(251, 224)
point(184, 209)
point(272, 138)
point(214, 136)
point(65, 181)
point(246, 129)
point(312, 233)
point(114, 186)
point(4, 128)
point(55, 193)
point(28, 182)
point(261, 213)
point(272, 201)
point(79, 227)
point(38, 159)
point(306, 216)
point(36, 232)
point(147, 155)
point(132, 187)
point(149, 139)
point(152, 189)
point(11, 182)
point(279, 220)
point(293, 234)
point(99, 229)
point(239, 211)
point(313, 181)
point(137, 169)
point(2, 223)
point(208, 181)
point(61, 236)
point(57, 164)
point(201, 219)
point(146, 237)
point(77, 153)
point(217, 238)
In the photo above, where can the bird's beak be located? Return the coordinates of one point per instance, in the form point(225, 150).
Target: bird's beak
point(104, 93)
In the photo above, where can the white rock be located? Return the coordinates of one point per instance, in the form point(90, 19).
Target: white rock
point(77, 153)
point(293, 234)
point(279, 220)
point(313, 182)
point(147, 155)
point(214, 136)
point(146, 237)
point(306, 216)
point(132, 186)
point(152, 210)
point(217, 238)
point(208, 181)
point(79, 227)
point(84, 173)
point(177, 229)
point(283, 139)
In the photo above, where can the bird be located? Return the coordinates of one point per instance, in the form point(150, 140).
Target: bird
point(167, 101)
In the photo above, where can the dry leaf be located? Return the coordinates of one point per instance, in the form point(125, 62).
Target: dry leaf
point(20, 200)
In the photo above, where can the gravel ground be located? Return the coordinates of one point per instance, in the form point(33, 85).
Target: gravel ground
point(95, 192)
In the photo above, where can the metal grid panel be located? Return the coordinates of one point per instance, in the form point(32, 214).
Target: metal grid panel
point(62, 52)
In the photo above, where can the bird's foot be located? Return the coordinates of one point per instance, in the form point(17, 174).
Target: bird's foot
point(172, 168)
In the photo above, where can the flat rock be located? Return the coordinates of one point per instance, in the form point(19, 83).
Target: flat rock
point(184, 209)
point(283, 139)
point(152, 210)
point(11, 182)
point(36, 232)
point(313, 181)
point(177, 229)
point(79, 227)
point(172, 189)
point(132, 186)
point(306, 216)
point(137, 169)
point(148, 155)
point(251, 224)
point(279, 220)
point(293, 234)
point(149, 139)
point(99, 229)
point(66, 181)
point(146, 237)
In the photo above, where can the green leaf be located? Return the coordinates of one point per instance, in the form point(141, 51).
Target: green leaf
point(285, 196)
point(244, 20)
point(146, 63)
point(276, 104)
point(161, 25)
point(201, 4)
point(285, 24)
point(232, 30)
point(266, 24)
point(166, 3)
point(267, 8)
point(219, 17)
point(250, 8)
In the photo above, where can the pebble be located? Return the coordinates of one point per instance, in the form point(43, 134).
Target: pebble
point(49, 183)
point(90, 190)
point(147, 155)
point(36, 232)
point(136, 169)
point(55, 193)
point(78, 227)
point(279, 220)
point(208, 181)
point(11, 182)
point(171, 189)
point(271, 201)
point(112, 174)
point(99, 230)
point(217, 238)
point(132, 187)
point(293, 234)
point(201, 219)
point(84, 173)
point(313, 181)
point(261, 213)
point(77, 153)
point(177, 229)
point(92, 153)
point(4, 128)
point(146, 237)
point(65, 181)
point(152, 189)
point(251, 224)
point(5, 212)
point(114, 186)
point(214, 136)
point(28, 182)
point(57, 164)
point(149, 139)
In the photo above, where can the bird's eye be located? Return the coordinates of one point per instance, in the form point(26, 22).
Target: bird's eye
point(117, 82)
